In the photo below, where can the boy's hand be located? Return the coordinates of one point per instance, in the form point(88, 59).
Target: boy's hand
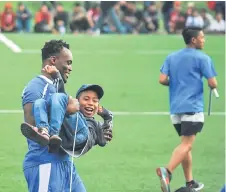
point(100, 110)
point(51, 70)
point(73, 105)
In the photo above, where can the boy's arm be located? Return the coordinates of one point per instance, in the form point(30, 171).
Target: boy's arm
point(56, 76)
point(107, 117)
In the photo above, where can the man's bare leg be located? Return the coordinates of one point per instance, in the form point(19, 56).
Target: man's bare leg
point(187, 167)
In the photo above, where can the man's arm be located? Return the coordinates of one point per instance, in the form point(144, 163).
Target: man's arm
point(208, 71)
point(212, 82)
point(164, 79)
point(164, 76)
point(28, 114)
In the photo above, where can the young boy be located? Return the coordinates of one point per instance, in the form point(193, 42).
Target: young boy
point(62, 108)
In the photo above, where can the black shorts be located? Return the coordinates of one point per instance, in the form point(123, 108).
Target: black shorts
point(188, 124)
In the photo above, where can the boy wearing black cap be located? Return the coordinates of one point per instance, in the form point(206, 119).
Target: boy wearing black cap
point(81, 125)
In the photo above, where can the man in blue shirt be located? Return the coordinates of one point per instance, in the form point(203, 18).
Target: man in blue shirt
point(183, 71)
point(46, 171)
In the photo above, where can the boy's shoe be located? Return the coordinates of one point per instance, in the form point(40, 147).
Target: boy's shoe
point(164, 179)
point(54, 144)
point(38, 135)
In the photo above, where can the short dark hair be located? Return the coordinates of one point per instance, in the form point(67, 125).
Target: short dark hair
point(190, 32)
point(52, 48)
point(203, 10)
point(59, 4)
point(77, 4)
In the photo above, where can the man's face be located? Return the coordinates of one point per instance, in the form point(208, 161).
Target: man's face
point(44, 9)
point(218, 17)
point(63, 62)
point(89, 103)
point(59, 8)
point(199, 41)
point(21, 8)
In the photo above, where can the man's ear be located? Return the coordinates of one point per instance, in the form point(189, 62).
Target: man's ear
point(193, 40)
point(53, 60)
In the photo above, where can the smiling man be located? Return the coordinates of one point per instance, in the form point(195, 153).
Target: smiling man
point(183, 71)
point(41, 167)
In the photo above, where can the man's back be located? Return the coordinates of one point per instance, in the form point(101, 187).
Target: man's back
point(185, 69)
point(38, 87)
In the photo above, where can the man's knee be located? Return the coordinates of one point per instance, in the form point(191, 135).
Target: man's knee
point(187, 142)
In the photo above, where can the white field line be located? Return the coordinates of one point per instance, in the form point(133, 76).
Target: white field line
point(10, 44)
point(117, 113)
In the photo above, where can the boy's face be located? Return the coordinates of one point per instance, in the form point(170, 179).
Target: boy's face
point(89, 103)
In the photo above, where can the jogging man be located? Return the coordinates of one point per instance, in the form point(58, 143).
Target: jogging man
point(183, 71)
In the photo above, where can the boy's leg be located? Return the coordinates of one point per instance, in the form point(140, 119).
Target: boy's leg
point(40, 113)
point(58, 106)
point(39, 134)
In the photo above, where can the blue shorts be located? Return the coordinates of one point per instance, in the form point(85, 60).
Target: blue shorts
point(53, 177)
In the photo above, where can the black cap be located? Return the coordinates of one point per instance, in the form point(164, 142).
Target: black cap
point(96, 88)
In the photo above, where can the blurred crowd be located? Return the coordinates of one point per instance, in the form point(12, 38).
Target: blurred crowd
point(113, 17)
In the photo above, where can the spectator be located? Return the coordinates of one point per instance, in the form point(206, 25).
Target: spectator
point(108, 9)
point(79, 22)
point(8, 19)
point(108, 25)
point(166, 10)
point(93, 15)
point(23, 18)
point(131, 18)
point(147, 4)
point(151, 18)
point(218, 25)
point(60, 19)
point(195, 20)
point(43, 20)
point(207, 18)
point(220, 8)
point(188, 12)
point(177, 19)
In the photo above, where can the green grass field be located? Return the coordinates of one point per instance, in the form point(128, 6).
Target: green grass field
point(128, 68)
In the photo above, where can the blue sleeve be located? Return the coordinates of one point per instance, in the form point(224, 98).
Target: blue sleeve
point(207, 68)
point(165, 67)
point(30, 94)
point(34, 91)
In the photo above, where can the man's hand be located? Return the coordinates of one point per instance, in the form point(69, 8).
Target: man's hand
point(164, 79)
point(51, 70)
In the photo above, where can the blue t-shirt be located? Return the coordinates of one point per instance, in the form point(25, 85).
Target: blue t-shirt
point(185, 69)
point(39, 87)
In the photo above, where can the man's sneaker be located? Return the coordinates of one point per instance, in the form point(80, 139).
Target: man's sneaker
point(164, 179)
point(195, 185)
point(38, 135)
point(54, 144)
